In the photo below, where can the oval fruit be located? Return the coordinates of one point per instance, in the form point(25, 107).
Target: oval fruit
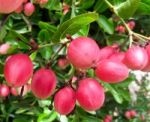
point(90, 94)
point(43, 83)
point(136, 58)
point(83, 52)
point(8, 6)
point(4, 90)
point(64, 100)
point(18, 69)
point(111, 71)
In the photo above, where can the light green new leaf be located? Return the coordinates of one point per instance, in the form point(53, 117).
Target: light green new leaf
point(128, 8)
point(73, 25)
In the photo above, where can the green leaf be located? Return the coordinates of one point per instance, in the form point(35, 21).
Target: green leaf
point(73, 25)
point(100, 6)
point(33, 55)
point(144, 8)
point(128, 8)
point(44, 35)
point(46, 52)
point(115, 94)
point(47, 26)
point(106, 24)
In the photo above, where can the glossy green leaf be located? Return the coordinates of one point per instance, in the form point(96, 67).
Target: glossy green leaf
point(127, 8)
point(144, 8)
point(73, 25)
point(106, 24)
point(115, 94)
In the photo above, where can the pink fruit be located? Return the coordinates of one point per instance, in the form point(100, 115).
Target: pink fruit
point(4, 90)
point(128, 115)
point(19, 9)
point(83, 52)
point(131, 24)
point(29, 8)
point(120, 29)
point(133, 113)
point(18, 69)
point(4, 48)
point(107, 51)
point(43, 83)
point(25, 1)
point(136, 58)
point(118, 56)
point(108, 118)
point(8, 6)
point(111, 71)
point(64, 100)
point(90, 94)
point(14, 91)
point(63, 63)
point(147, 67)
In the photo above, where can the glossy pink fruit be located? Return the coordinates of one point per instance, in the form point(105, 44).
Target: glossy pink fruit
point(8, 6)
point(131, 24)
point(18, 69)
point(107, 51)
point(90, 94)
point(118, 56)
point(29, 8)
point(64, 100)
point(108, 118)
point(136, 58)
point(147, 67)
point(111, 71)
point(19, 9)
point(83, 52)
point(128, 115)
point(63, 63)
point(4, 48)
point(43, 83)
point(4, 90)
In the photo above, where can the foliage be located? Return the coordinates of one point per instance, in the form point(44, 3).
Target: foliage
point(49, 27)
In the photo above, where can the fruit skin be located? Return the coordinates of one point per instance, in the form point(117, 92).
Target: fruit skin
point(147, 67)
point(43, 83)
point(63, 63)
point(4, 90)
point(83, 52)
point(130, 114)
point(119, 56)
point(4, 48)
point(108, 118)
point(64, 100)
point(18, 69)
point(136, 58)
point(8, 6)
point(111, 71)
point(107, 51)
point(131, 24)
point(29, 8)
point(90, 94)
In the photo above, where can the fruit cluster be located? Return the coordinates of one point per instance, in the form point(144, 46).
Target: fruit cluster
point(110, 64)
point(18, 6)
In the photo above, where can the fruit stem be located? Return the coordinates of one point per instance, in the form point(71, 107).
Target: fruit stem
point(55, 54)
point(21, 93)
point(73, 9)
point(27, 22)
point(4, 20)
point(130, 32)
